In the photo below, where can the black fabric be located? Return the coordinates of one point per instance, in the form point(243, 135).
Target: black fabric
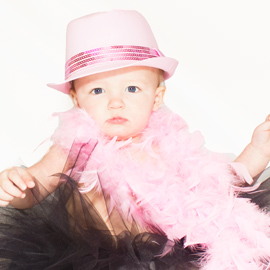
point(261, 196)
point(65, 231)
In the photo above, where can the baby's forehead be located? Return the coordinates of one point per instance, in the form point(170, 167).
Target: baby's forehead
point(127, 73)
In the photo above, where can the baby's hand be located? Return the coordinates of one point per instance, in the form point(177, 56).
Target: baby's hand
point(13, 183)
point(261, 138)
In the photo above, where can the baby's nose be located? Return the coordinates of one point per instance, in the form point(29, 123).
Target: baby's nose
point(116, 102)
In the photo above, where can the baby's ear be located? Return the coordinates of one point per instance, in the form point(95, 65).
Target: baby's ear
point(159, 97)
point(73, 96)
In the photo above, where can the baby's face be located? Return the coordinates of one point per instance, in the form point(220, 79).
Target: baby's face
point(120, 101)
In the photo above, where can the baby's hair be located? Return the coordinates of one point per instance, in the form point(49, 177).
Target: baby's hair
point(161, 78)
point(72, 86)
point(162, 83)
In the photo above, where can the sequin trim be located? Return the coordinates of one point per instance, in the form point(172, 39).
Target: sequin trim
point(108, 54)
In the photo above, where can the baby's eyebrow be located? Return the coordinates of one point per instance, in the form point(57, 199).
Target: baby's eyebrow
point(134, 82)
point(95, 84)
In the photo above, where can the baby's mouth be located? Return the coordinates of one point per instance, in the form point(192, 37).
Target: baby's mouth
point(117, 120)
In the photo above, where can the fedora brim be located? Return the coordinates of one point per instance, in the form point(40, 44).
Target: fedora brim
point(167, 64)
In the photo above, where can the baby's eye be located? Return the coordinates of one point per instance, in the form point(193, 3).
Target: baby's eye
point(132, 89)
point(97, 91)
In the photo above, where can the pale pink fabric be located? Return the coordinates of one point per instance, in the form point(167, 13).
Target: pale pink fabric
point(106, 29)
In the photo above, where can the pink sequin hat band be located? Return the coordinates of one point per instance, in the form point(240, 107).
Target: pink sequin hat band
point(107, 54)
point(104, 41)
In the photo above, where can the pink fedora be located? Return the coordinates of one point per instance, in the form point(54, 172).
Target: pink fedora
point(111, 40)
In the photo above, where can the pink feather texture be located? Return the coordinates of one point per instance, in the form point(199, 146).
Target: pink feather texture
point(170, 180)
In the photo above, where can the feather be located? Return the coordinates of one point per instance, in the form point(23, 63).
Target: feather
point(171, 181)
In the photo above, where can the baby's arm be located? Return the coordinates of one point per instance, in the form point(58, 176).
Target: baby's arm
point(256, 155)
point(15, 183)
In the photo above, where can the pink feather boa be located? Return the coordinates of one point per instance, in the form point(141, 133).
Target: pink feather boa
point(170, 180)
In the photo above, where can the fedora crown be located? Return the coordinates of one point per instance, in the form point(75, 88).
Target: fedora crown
point(111, 40)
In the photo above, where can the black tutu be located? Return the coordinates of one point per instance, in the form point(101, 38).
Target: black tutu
point(65, 231)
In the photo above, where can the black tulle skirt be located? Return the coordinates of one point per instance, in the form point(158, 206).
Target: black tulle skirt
point(65, 231)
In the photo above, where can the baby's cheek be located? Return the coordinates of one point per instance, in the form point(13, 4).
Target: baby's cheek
point(89, 111)
point(100, 120)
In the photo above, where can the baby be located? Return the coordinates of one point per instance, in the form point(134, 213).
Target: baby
point(135, 162)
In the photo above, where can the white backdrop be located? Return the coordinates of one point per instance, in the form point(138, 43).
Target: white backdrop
point(221, 86)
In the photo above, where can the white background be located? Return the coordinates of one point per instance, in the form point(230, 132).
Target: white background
point(221, 86)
